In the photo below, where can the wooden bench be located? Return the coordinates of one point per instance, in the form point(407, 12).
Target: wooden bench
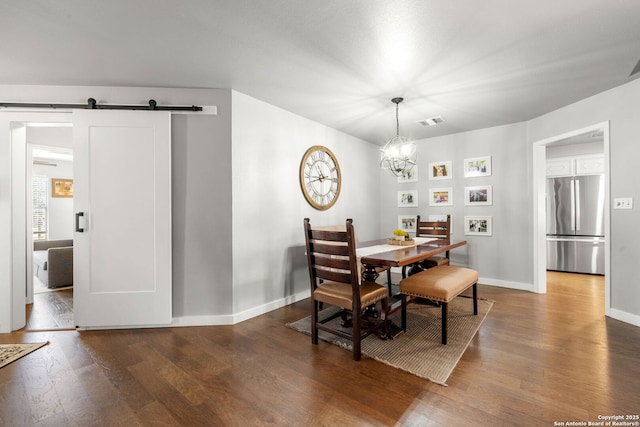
point(440, 284)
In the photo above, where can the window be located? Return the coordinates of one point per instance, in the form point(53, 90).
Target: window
point(40, 199)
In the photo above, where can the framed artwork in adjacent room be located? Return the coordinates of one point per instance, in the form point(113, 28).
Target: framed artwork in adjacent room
point(61, 187)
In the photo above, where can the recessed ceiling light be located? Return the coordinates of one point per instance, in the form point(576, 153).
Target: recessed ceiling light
point(432, 121)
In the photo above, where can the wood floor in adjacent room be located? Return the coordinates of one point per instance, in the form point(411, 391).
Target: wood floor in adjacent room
point(51, 310)
point(537, 359)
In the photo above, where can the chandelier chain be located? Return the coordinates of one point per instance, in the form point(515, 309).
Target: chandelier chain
point(397, 120)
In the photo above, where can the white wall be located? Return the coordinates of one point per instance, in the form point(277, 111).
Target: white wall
point(269, 265)
point(620, 106)
point(505, 258)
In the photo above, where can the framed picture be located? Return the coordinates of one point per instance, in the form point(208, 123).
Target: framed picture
point(410, 176)
point(407, 198)
point(441, 196)
point(440, 170)
point(407, 223)
point(478, 195)
point(61, 187)
point(477, 225)
point(477, 166)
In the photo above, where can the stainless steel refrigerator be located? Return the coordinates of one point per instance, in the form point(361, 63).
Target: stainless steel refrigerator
point(575, 224)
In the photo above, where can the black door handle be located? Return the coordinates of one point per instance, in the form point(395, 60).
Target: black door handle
point(78, 229)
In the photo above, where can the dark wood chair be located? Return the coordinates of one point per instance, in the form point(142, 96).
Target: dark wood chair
point(439, 229)
point(335, 280)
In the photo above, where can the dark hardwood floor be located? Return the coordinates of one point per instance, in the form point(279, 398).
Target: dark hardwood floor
point(536, 360)
point(51, 310)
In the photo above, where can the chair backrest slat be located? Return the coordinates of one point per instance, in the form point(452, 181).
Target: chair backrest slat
point(328, 235)
point(440, 229)
point(330, 249)
point(322, 261)
point(334, 276)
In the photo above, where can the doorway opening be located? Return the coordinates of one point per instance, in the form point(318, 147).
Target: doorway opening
point(49, 196)
point(582, 253)
point(575, 215)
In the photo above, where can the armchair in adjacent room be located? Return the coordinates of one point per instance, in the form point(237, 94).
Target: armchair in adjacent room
point(53, 262)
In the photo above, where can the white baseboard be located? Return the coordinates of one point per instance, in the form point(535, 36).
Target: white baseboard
point(205, 320)
point(506, 284)
point(232, 319)
point(623, 316)
point(273, 305)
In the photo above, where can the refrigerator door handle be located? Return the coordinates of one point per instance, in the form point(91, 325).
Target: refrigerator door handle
point(573, 205)
point(577, 202)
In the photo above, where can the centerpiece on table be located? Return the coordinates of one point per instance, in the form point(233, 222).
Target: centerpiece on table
point(401, 238)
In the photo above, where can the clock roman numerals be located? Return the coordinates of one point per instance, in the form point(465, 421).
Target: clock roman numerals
point(310, 188)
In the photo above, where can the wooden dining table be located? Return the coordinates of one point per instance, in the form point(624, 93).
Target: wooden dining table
point(402, 256)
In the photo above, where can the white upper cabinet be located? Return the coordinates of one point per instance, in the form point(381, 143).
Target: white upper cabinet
point(579, 165)
point(589, 165)
point(560, 167)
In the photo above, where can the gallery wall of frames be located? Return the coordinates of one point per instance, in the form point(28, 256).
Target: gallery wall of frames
point(438, 184)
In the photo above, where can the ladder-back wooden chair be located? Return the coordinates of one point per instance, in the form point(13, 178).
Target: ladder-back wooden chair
point(439, 229)
point(335, 280)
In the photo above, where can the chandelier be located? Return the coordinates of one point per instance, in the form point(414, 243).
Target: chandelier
point(399, 153)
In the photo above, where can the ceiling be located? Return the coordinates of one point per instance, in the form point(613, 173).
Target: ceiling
point(337, 62)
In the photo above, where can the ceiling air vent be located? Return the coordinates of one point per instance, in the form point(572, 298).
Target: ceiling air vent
point(431, 121)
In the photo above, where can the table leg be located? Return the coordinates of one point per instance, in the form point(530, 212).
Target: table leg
point(369, 273)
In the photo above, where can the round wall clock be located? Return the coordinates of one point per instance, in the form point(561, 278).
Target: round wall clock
point(320, 177)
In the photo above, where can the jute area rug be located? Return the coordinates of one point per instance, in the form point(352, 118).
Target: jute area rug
point(418, 351)
point(13, 352)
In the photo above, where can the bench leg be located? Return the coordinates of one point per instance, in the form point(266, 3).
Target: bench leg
point(444, 322)
point(403, 312)
point(475, 299)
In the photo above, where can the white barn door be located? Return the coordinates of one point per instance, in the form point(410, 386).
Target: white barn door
point(122, 202)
